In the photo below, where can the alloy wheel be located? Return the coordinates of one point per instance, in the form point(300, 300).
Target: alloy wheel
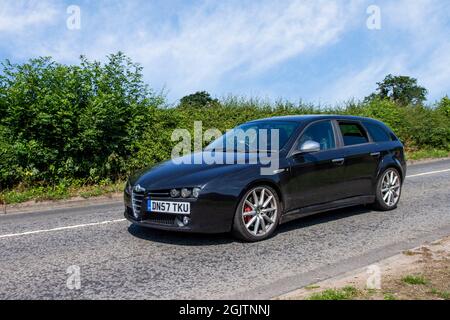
point(390, 188)
point(259, 211)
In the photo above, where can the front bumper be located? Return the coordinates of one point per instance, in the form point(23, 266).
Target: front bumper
point(207, 216)
point(156, 225)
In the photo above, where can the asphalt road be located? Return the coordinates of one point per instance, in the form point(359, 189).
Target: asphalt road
point(119, 261)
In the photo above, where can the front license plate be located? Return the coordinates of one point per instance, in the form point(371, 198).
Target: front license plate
point(169, 207)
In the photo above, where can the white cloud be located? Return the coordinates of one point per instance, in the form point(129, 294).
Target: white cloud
point(426, 21)
point(421, 50)
point(435, 73)
point(209, 42)
point(19, 15)
point(214, 43)
point(244, 39)
point(359, 83)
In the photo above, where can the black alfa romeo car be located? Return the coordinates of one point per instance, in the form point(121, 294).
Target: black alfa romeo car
point(325, 163)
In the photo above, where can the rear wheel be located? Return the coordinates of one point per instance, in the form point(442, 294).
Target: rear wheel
point(257, 214)
point(389, 188)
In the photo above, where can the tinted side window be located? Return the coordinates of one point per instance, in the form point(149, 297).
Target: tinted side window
point(377, 133)
point(353, 134)
point(322, 133)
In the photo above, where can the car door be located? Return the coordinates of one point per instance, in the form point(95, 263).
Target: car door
point(361, 158)
point(316, 177)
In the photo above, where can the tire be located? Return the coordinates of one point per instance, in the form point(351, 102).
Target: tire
point(389, 180)
point(255, 221)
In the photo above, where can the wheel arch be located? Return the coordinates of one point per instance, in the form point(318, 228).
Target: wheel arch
point(387, 163)
point(266, 182)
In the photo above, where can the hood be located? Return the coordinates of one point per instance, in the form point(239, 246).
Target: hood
point(183, 172)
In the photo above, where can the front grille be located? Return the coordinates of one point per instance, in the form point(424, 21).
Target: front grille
point(161, 218)
point(136, 201)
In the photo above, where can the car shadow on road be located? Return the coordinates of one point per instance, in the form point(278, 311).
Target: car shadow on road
point(195, 239)
point(323, 217)
point(179, 238)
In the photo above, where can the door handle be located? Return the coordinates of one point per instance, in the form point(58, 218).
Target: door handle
point(339, 161)
point(375, 154)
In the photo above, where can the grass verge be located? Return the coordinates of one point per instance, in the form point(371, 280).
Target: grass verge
point(59, 192)
point(346, 293)
point(427, 154)
point(414, 280)
point(422, 273)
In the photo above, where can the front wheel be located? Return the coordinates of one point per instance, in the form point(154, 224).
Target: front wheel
point(389, 189)
point(257, 214)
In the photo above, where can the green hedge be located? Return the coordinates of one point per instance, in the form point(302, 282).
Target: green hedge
point(63, 122)
point(93, 121)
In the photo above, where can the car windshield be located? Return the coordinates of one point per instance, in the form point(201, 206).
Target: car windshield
point(255, 136)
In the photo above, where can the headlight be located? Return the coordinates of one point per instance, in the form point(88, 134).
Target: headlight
point(196, 192)
point(185, 193)
point(174, 193)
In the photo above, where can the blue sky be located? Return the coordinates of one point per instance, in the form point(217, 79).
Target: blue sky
point(314, 50)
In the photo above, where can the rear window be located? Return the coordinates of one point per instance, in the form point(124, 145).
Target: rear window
point(377, 132)
point(353, 134)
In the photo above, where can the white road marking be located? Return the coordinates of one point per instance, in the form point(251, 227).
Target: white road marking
point(11, 235)
point(428, 173)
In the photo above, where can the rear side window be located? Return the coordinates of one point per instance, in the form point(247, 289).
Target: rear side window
point(378, 133)
point(353, 133)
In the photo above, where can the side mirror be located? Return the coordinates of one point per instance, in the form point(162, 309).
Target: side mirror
point(308, 147)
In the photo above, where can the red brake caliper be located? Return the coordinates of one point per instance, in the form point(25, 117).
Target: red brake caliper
point(247, 218)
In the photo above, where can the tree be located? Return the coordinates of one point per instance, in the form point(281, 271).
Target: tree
point(444, 106)
point(400, 89)
point(198, 99)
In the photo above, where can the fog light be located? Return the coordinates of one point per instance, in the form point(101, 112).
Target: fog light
point(185, 193)
point(174, 193)
point(186, 220)
point(196, 192)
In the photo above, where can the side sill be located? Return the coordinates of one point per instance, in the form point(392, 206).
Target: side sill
point(339, 204)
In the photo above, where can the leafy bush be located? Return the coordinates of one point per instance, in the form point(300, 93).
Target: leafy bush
point(63, 122)
point(443, 107)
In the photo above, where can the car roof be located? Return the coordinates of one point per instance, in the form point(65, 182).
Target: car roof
point(310, 117)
